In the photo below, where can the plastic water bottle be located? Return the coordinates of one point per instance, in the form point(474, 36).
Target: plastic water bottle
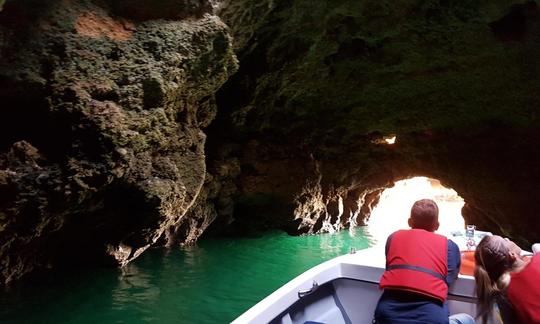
point(469, 235)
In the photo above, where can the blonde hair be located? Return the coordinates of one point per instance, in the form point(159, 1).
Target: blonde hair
point(491, 273)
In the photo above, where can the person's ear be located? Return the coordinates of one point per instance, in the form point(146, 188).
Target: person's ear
point(513, 256)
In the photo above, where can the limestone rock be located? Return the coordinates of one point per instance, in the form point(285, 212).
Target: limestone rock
point(164, 9)
point(456, 81)
point(101, 146)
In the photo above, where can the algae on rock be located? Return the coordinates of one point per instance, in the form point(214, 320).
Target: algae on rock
point(102, 146)
point(456, 81)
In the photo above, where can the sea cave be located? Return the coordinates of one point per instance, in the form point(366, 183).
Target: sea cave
point(134, 126)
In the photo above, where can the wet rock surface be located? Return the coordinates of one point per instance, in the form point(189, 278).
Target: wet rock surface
point(101, 144)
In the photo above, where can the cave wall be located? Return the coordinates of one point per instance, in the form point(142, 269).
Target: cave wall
point(320, 86)
point(101, 130)
point(106, 103)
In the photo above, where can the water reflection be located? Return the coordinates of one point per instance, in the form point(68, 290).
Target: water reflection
point(212, 282)
point(333, 244)
point(395, 204)
point(135, 286)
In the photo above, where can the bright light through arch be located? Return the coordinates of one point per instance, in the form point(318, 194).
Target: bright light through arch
point(393, 209)
point(390, 140)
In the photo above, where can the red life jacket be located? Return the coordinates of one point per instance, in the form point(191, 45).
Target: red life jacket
point(524, 292)
point(417, 261)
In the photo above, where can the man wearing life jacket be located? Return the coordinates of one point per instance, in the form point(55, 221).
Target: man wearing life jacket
point(420, 265)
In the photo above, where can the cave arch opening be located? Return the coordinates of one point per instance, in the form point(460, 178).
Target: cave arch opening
point(393, 208)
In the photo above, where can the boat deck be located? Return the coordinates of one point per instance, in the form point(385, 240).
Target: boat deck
point(342, 290)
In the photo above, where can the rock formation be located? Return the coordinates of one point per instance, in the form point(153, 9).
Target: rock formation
point(321, 86)
point(104, 103)
point(103, 106)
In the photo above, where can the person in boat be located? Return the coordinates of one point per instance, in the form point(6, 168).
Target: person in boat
point(420, 265)
point(507, 284)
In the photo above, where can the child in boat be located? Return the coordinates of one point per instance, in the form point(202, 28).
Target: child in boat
point(506, 282)
point(420, 265)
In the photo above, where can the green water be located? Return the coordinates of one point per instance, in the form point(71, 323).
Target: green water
point(213, 282)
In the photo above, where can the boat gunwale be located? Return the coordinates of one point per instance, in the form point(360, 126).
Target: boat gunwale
point(337, 268)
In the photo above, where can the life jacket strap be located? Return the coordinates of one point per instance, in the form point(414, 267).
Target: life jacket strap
point(416, 268)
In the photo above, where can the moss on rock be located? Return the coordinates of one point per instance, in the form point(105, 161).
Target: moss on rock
point(102, 102)
point(327, 80)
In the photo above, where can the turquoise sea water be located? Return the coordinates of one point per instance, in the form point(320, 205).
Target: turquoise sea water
point(212, 282)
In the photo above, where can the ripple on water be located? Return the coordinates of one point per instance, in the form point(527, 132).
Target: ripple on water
point(213, 282)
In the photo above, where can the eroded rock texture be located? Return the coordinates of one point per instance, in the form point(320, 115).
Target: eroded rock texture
point(104, 102)
point(101, 141)
point(322, 84)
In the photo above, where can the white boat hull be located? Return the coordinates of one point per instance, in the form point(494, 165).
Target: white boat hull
point(347, 292)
